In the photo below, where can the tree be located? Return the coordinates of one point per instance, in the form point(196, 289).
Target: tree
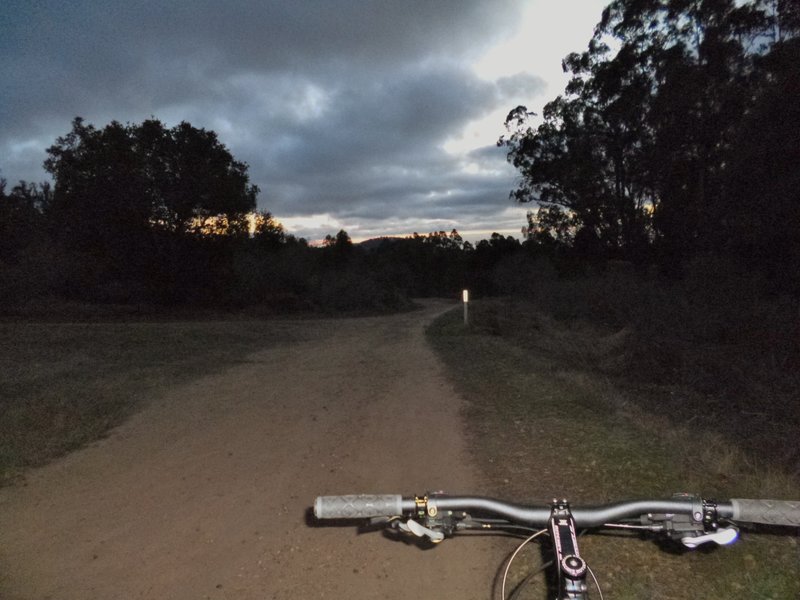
point(760, 212)
point(701, 64)
point(340, 242)
point(27, 266)
point(22, 221)
point(128, 199)
point(638, 146)
point(145, 176)
point(550, 227)
point(267, 231)
point(193, 177)
point(584, 159)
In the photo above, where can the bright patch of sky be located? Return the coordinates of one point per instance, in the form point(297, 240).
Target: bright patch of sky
point(548, 31)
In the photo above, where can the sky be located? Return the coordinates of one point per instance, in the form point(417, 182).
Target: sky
point(379, 117)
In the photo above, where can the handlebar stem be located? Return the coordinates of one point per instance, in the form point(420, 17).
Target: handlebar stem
point(572, 568)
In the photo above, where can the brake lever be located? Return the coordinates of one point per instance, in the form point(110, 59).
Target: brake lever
point(722, 537)
point(411, 526)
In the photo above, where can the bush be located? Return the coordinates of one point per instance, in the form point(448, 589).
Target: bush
point(350, 289)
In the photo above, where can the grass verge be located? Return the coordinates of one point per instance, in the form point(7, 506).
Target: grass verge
point(542, 423)
point(66, 384)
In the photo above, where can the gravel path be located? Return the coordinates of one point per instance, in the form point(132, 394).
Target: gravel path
point(205, 493)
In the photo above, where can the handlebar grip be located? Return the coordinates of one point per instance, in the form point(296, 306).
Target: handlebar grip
point(361, 506)
point(769, 512)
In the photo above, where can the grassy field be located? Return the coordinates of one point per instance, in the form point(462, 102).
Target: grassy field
point(65, 384)
point(548, 418)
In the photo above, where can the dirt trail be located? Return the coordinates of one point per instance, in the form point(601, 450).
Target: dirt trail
point(205, 493)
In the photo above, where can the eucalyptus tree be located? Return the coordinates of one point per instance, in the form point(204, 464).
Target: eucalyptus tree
point(700, 56)
point(584, 163)
point(761, 205)
point(636, 149)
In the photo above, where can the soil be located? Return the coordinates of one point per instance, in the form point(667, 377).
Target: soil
point(206, 492)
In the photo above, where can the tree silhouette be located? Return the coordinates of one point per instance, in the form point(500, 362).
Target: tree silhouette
point(141, 176)
point(129, 201)
point(760, 212)
point(22, 221)
point(640, 149)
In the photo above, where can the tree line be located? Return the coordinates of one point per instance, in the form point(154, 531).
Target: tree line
point(678, 135)
point(145, 215)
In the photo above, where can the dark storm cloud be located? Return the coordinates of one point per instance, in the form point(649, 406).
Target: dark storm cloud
point(339, 107)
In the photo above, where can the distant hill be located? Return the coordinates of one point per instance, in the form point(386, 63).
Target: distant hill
point(375, 243)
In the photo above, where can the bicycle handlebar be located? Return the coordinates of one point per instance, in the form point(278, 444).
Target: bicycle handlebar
point(771, 512)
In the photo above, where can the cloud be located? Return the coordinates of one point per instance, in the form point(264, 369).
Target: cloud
point(340, 108)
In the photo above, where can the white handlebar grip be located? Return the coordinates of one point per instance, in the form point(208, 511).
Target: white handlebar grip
point(361, 506)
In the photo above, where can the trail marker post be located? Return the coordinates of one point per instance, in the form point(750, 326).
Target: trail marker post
point(465, 298)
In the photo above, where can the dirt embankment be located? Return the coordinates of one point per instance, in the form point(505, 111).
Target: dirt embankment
point(205, 493)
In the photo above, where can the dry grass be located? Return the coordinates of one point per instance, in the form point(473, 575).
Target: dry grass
point(65, 384)
point(549, 418)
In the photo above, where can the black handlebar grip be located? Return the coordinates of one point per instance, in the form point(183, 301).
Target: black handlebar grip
point(362, 506)
point(770, 512)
